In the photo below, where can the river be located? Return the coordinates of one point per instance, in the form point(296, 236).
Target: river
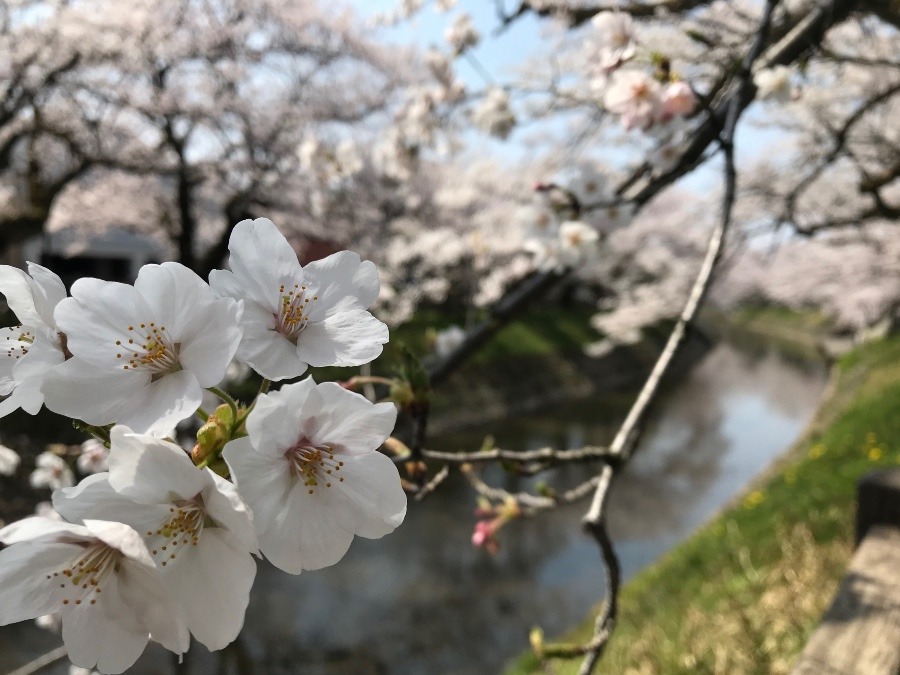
point(423, 600)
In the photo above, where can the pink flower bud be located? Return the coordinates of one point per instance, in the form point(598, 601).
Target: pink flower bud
point(678, 99)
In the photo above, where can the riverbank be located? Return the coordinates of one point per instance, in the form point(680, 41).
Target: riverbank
point(743, 594)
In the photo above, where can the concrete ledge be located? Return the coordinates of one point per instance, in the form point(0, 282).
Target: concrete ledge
point(860, 632)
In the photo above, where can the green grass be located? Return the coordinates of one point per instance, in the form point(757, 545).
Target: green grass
point(799, 330)
point(743, 594)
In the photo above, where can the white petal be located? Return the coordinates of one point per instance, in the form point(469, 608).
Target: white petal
point(166, 402)
point(261, 258)
point(214, 604)
point(339, 276)
point(30, 372)
point(14, 284)
point(351, 421)
point(210, 340)
point(225, 285)
point(268, 352)
point(95, 499)
point(349, 337)
point(225, 506)
point(39, 528)
point(77, 389)
point(150, 471)
point(275, 424)
point(162, 616)
point(48, 290)
point(372, 485)
point(122, 538)
point(106, 635)
point(99, 314)
point(307, 534)
point(10, 355)
point(174, 292)
point(262, 481)
point(25, 592)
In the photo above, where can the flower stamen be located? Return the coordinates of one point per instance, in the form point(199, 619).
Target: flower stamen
point(85, 575)
point(314, 465)
point(293, 310)
point(184, 526)
point(152, 349)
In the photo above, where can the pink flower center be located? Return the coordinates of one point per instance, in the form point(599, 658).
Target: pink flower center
point(82, 579)
point(315, 465)
point(293, 312)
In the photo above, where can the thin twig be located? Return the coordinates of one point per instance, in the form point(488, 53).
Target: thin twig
point(588, 452)
point(606, 620)
point(433, 484)
point(41, 662)
point(529, 504)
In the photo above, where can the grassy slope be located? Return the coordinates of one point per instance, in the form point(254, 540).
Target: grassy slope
point(743, 594)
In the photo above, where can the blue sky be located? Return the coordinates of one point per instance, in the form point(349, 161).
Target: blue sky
point(496, 53)
point(500, 53)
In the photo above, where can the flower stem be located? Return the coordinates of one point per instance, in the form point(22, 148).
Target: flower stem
point(357, 380)
point(98, 432)
point(202, 414)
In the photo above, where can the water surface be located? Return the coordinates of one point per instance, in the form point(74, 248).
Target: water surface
point(422, 600)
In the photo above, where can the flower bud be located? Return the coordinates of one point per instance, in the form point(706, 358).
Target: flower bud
point(214, 434)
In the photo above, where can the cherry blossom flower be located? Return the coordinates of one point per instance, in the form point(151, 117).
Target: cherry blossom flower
point(613, 217)
point(29, 351)
point(461, 34)
point(586, 183)
point(635, 96)
point(296, 316)
point(142, 353)
point(493, 115)
point(311, 154)
point(51, 472)
point(616, 37)
point(94, 457)
point(677, 99)
point(448, 339)
point(9, 461)
point(196, 527)
point(773, 84)
point(577, 242)
point(348, 159)
point(537, 221)
point(452, 90)
point(310, 472)
point(101, 579)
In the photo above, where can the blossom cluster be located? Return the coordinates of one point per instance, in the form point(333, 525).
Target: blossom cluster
point(656, 102)
point(158, 543)
point(570, 215)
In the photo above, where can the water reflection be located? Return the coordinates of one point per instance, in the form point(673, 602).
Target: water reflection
point(423, 601)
